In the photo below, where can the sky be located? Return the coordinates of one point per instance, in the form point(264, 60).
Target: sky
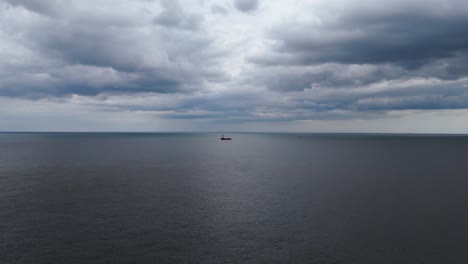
point(234, 65)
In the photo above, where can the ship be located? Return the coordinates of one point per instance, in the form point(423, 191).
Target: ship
point(225, 138)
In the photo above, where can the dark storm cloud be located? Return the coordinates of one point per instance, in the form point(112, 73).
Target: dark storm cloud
point(85, 45)
point(408, 39)
point(246, 5)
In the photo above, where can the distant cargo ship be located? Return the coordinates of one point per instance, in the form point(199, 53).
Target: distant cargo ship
point(225, 138)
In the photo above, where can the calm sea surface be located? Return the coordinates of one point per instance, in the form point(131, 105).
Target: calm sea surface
point(261, 198)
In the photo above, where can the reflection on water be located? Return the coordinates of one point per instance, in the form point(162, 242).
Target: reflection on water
point(260, 198)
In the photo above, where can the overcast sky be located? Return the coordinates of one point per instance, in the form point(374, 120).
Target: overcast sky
point(234, 65)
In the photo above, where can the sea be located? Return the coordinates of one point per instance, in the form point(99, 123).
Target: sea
point(70, 198)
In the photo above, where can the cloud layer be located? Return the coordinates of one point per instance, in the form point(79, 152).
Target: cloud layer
point(246, 5)
point(236, 62)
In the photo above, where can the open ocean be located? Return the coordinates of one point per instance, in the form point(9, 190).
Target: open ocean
point(261, 198)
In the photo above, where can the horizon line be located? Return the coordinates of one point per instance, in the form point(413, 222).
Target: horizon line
point(235, 132)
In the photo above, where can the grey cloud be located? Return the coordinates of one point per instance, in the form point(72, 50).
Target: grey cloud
point(85, 45)
point(45, 7)
point(326, 66)
point(294, 78)
point(358, 64)
point(333, 75)
point(246, 5)
point(82, 53)
point(217, 9)
point(421, 102)
point(410, 38)
point(396, 95)
point(319, 103)
point(206, 106)
point(328, 90)
point(174, 16)
point(85, 80)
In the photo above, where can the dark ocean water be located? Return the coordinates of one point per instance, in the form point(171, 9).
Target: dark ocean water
point(261, 198)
